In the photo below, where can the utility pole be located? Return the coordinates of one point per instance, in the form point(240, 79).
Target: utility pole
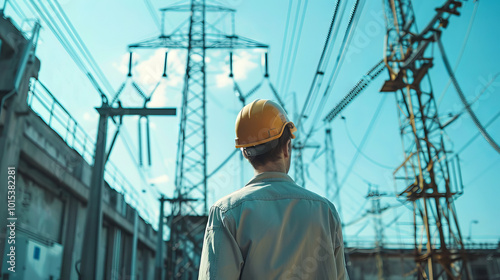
point(331, 175)
point(299, 147)
point(191, 171)
point(159, 244)
point(93, 223)
point(424, 174)
point(374, 195)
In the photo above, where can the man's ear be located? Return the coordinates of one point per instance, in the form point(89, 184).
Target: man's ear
point(243, 152)
point(287, 150)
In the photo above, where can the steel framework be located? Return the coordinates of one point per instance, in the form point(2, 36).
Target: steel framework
point(374, 195)
point(425, 172)
point(331, 175)
point(186, 235)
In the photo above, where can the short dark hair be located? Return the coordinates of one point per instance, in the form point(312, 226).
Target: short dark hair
point(272, 155)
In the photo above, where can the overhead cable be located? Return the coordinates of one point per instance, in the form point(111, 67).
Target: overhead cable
point(462, 50)
point(478, 133)
point(292, 55)
point(153, 14)
point(285, 37)
point(483, 131)
point(363, 141)
point(322, 65)
point(363, 154)
point(351, 26)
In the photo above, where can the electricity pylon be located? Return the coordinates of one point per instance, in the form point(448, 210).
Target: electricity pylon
point(191, 170)
point(425, 172)
point(331, 176)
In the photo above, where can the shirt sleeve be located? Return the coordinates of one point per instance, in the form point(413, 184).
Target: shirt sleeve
point(340, 257)
point(221, 257)
point(339, 254)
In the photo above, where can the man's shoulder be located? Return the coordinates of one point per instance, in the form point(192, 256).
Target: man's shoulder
point(269, 191)
point(237, 197)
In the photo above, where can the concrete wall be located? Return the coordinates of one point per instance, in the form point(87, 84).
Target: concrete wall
point(53, 189)
point(484, 264)
point(53, 185)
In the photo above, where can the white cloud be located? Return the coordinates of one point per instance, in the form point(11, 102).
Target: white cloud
point(90, 117)
point(159, 180)
point(147, 71)
point(243, 63)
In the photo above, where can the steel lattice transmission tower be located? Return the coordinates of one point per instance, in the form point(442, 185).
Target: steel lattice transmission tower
point(425, 172)
point(190, 201)
point(332, 191)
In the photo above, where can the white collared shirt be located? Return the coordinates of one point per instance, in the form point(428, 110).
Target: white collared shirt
point(273, 229)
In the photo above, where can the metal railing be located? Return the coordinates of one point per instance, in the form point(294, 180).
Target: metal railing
point(53, 113)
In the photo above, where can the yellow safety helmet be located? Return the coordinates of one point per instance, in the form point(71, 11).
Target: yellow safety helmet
point(261, 122)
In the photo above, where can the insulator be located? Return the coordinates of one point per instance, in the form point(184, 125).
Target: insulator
point(130, 65)
point(266, 74)
point(140, 140)
point(230, 64)
point(148, 141)
point(165, 65)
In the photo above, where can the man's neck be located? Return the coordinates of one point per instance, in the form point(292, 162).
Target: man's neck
point(271, 168)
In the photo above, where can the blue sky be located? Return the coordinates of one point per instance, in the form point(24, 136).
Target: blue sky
point(107, 27)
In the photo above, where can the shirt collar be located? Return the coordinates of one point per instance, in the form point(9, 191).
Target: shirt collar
point(270, 177)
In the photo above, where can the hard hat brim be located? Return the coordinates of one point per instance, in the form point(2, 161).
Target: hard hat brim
point(292, 127)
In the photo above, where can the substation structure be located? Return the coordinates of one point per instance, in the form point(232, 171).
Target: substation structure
point(51, 153)
point(56, 174)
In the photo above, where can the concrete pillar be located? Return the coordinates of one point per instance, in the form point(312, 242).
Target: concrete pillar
point(133, 257)
point(93, 224)
point(117, 251)
point(69, 237)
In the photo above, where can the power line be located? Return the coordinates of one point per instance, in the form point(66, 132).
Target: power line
point(17, 9)
point(56, 30)
point(88, 56)
point(462, 50)
point(363, 141)
point(473, 116)
point(47, 18)
point(483, 172)
point(478, 133)
point(153, 14)
point(361, 152)
point(285, 37)
point(351, 26)
point(321, 68)
point(294, 45)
